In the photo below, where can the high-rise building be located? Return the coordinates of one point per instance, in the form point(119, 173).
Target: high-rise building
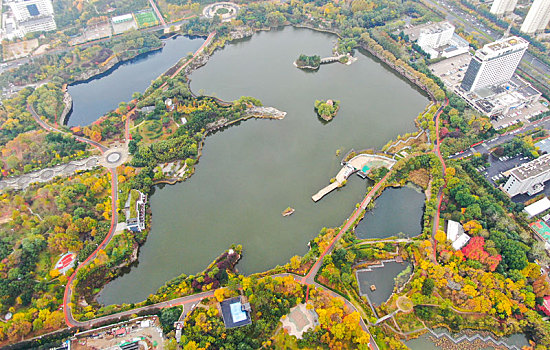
point(436, 35)
point(495, 63)
point(33, 15)
point(537, 18)
point(501, 7)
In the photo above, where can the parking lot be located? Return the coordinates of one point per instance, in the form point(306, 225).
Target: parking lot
point(495, 173)
point(452, 70)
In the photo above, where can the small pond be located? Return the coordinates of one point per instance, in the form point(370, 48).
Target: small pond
point(396, 210)
point(381, 277)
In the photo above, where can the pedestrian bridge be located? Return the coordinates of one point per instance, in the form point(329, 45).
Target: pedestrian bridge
point(331, 59)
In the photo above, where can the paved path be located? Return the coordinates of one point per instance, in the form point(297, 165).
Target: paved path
point(44, 175)
point(309, 278)
point(440, 193)
point(159, 15)
point(50, 128)
point(69, 320)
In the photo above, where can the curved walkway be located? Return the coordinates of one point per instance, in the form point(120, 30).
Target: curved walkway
point(48, 127)
point(69, 320)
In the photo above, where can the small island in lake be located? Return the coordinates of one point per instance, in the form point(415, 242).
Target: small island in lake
point(288, 211)
point(308, 62)
point(327, 109)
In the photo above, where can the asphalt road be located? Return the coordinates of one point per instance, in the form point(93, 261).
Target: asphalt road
point(497, 140)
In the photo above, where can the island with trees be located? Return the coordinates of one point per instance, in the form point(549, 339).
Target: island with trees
point(327, 109)
point(308, 62)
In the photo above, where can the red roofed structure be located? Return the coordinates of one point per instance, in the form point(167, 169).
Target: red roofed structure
point(545, 307)
point(65, 262)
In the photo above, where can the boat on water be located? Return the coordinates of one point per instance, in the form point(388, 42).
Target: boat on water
point(288, 211)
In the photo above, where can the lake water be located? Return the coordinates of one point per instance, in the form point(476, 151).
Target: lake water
point(94, 98)
point(381, 277)
point(397, 210)
point(250, 173)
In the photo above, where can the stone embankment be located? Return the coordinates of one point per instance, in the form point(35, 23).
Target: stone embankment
point(68, 102)
point(45, 175)
point(241, 33)
point(265, 112)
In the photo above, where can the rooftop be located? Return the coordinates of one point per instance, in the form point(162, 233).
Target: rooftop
point(437, 28)
point(456, 234)
point(543, 145)
point(233, 313)
point(502, 46)
point(533, 168)
point(537, 207)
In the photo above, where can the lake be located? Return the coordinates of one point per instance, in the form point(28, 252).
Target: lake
point(250, 173)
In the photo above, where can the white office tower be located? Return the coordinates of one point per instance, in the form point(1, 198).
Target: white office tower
point(537, 18)
point(33, 15)
point(494, 64)
point(436, 35)
point(501, 7)
point(529, 177)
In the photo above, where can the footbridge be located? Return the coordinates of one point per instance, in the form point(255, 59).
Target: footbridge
point(331, 59)
point(362, 163)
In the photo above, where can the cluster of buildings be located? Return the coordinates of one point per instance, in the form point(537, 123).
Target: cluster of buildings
point(27, 16)
point(537, 18)
point(488, 83)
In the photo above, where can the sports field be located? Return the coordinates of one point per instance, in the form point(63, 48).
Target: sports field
point(542, 229)
point(146, 19)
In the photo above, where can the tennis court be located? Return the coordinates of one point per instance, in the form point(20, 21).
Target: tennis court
point(542, 229)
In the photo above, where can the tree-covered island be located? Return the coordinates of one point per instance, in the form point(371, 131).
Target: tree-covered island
point(327, 109)
point(308, 62)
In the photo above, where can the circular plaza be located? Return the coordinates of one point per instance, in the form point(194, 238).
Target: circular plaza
point(225, 10)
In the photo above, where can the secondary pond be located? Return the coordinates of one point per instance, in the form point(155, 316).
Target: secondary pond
point(250, 173)
point(428, 342)
point(383, 278)
point(397, 210)
point(95, 97)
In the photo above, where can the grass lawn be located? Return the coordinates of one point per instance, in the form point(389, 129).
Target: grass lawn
point(408, 322)
point(146, 19)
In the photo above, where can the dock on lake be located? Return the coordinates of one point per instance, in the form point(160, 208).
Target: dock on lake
point(362, 163)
